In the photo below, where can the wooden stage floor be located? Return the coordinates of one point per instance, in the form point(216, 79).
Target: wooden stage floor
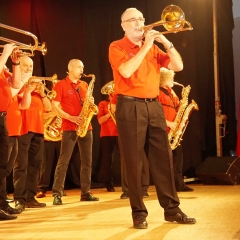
point(216, 209)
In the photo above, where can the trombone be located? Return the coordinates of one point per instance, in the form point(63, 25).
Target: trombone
point(172, 19)
point(23, 46)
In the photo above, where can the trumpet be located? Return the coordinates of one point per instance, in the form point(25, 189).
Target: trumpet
point(51, 94)
point(172, 19)
point(23, 46)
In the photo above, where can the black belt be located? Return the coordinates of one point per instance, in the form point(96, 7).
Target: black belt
point(3, 114)
point(136, 98)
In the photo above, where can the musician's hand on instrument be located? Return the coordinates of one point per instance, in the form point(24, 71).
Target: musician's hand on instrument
point(16, 55)
point(8, 49)
point(171, 125)
point(113, 108)
point(149, 38)
point(29, 88)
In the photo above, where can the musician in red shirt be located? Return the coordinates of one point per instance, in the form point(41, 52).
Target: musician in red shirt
point(6, 95)
point(170, 103)
point(140, 119)
point(30, 146)
point(71, 94)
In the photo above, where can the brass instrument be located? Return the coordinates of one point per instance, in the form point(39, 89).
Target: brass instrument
point(23, 46)
point(181, 120)
point(51, 94)
point(53, 129)
point(172, 19)
point(107, 89)
point(88, 109)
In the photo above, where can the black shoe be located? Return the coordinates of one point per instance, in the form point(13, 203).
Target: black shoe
point(140, 222)
point(20, 206)
point(6, 216)
point(180, 218)
point(145, 194)
point(124, 195)
point(6, 208)
point(57, 200)
point(35, 204)
point(109, 186)
point(186, 189)
point(88, 197)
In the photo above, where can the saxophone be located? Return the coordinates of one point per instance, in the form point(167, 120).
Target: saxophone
point(181, 120)
point(88, 109)
point(53, 129)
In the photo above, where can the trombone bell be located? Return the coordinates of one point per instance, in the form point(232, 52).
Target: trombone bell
point(172, 19)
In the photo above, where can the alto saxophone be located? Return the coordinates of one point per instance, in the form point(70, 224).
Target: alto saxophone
point(88, 109)
point(181, 120)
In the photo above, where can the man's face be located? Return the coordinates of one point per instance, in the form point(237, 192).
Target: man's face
point(132, 21)
point(168, 82)
point(76, 69)
point(26, 65)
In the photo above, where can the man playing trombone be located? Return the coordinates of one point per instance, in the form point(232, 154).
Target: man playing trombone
point(139, 116)
point(6, 96)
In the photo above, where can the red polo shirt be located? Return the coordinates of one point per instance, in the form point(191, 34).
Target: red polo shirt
point(5, 92)
point(169, 103)
point(108, 128)
point(144, 82)
point(71, 97)
point(33, 118)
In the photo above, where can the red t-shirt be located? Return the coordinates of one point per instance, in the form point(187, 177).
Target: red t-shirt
point(71, 97)
point(108, 128)
point(5, 92)
point(33, 118)
point(144, 82)
point(169, 103)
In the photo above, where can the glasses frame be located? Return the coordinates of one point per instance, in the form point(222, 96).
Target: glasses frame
point(135, 20)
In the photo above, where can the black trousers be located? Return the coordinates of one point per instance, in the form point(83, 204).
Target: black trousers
point(4, 140)
point(178, 167)
point(12, 154)
point(51, 153)
point(27, 165)
point(139, 122)
point(107, 146)
point(144, 178)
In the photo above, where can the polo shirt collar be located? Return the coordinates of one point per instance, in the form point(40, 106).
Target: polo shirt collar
point(70, 82)
point(129, 43)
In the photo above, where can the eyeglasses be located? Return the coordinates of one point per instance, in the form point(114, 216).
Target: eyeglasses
point(135, 20)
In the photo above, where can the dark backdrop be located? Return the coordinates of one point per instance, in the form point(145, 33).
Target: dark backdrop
point(84, 29)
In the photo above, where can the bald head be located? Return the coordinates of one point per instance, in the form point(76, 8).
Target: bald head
point(123, 17)
point(26, 64)
point(75, 69)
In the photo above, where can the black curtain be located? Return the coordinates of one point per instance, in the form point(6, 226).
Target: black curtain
point(84, 29)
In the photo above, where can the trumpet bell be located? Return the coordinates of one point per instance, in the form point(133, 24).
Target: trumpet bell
point(173, 18)
point(108, 88)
